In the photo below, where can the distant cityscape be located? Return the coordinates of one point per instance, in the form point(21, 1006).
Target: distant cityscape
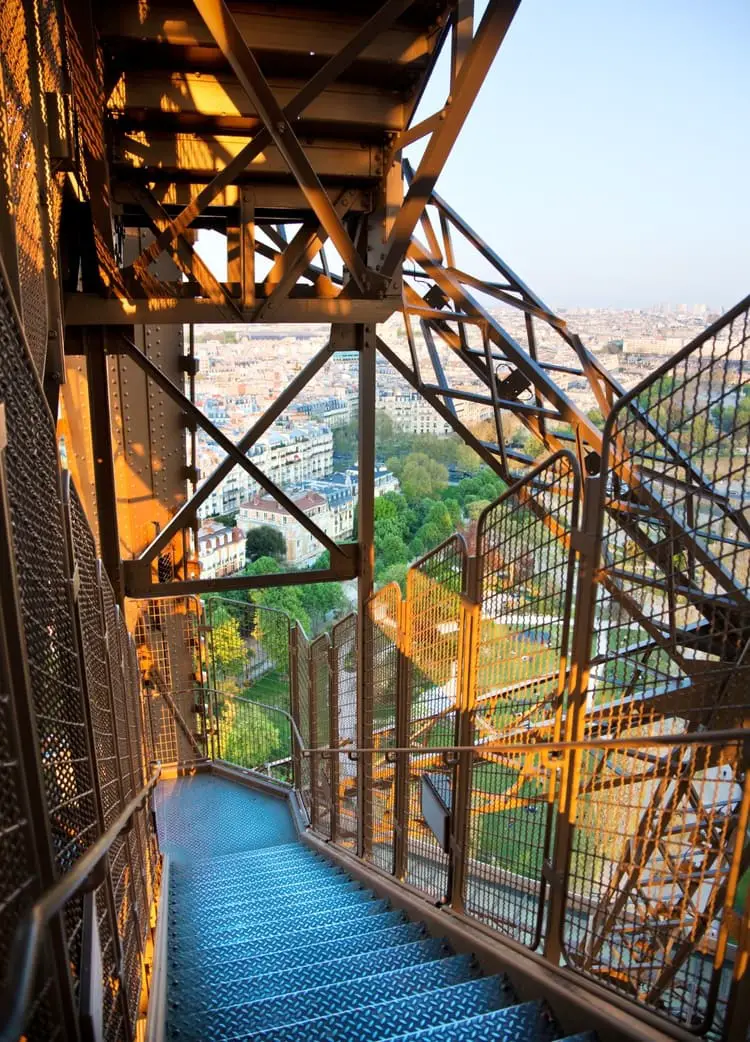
point(243, 370)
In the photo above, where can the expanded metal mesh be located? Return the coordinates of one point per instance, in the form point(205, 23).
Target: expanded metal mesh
point(669, 655)
point(168, 646)
point(320, 734)
point(21, 172)
point(524, 578)
point(380, 662)
point(435, 586)
point(344, 729)
point(40, 548)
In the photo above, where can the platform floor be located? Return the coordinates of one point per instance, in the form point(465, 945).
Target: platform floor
point(203, 816)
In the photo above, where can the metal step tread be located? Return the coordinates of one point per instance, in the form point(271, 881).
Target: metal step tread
point(228, 882)
point(187, 928)
point(239, 895)
point(280, 850)
point(389, 931)
point(525, 1022)
point(382, 1021)
point(278, 941)
point(305, 1005)
point(213, 868)
point(287, 981)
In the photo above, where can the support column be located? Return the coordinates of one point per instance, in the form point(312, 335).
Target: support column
point(365, 340)
point(103, 450)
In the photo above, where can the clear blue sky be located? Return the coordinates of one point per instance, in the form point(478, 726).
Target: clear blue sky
point(607, 158)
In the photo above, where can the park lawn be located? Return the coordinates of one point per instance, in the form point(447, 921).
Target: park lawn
point(272, 688)
point(505, 657)
point(511, 839)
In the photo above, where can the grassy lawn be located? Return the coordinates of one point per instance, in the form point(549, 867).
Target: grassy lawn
point(506, 657)
point(272, 688)
point(512, 839)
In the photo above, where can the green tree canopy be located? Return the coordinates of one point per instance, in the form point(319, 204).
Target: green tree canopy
point(265, 541)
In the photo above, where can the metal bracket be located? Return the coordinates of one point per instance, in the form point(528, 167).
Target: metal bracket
point(189, 365)
point(583, 543)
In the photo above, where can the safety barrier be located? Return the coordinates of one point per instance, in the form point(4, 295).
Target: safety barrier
point(72, 745)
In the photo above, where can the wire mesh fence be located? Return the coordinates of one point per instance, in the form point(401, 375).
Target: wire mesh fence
point(171, 665)
point(75, 686)
point(344, 666)
point(524, 591)
point(320, 734)
point(657, 835)
point(435, 590)
point(381, 666)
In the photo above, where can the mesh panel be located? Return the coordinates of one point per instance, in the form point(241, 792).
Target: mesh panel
point(434, 589)
point(168, 648)
point(40, 551)
point(525, 574)
point(320, 734)
point(22, 163)
point(669, 654)
point(381, 663)
point(344, 729)
point(302, 698)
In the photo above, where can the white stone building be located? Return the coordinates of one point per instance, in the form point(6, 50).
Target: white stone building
point(221, 550)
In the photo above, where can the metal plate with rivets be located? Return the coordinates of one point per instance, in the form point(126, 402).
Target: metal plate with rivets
point(524, 1022)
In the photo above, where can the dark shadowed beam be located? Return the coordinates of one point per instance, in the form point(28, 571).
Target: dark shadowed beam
point(227, 35)
point(382, 19)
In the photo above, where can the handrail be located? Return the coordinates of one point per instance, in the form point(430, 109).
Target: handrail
point(250, 701)
point(737, 734)
point(16, 993)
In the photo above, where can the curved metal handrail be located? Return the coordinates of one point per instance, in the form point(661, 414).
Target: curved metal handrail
point(250, 701)
point(19, 982)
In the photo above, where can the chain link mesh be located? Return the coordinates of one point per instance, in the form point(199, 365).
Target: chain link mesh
point(320, 734)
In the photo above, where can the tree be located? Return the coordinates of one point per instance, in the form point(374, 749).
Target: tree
point(229, 652)
point(475, 508)
point(249, 736)
point(396, 573)
point(265, 541)
point(466, 459)
point(422, 476)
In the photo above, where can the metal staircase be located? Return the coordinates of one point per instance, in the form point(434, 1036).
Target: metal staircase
point(277, 944)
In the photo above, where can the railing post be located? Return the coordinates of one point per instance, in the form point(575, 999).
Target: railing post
point(312, 673)
point(585, 543)
point(294, 706)
point(470, 621)
point(333, 734)
point(402, 766)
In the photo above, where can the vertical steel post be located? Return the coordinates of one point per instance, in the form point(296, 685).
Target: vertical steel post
point(11, 615)
point(312, 673)
point(333, 732)
point(586, 543)
point(104, 462)
point(403, 763)
point(365, 341)
point(468, 658)
point(294, 706)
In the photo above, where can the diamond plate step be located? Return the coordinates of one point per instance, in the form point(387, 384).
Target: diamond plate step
point(306, 976)
point(389, 931)
point(259, 854)
point(584, 1036)
point(277, 928)
point(383, 1020)
point(249, 867)
point(278, 941)
point(228, 1021)
point(283, 877)
point(187, 929)
point(524, 1022)
point(240, 895)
